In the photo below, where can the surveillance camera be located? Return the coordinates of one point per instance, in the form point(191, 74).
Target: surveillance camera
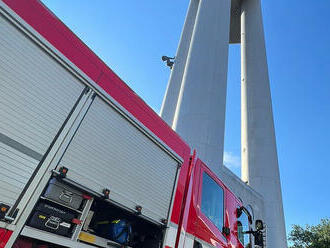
point(168, 61)
point(165, 58)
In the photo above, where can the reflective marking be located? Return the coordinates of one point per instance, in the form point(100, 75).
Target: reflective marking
point(188, 242)
point(20, 147)
point(87, 237)
point(173, 225)
point(171, 236)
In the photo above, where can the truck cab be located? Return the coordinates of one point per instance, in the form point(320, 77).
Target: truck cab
point(215, 216)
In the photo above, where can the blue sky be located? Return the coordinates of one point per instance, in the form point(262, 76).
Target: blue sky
point(131, 38)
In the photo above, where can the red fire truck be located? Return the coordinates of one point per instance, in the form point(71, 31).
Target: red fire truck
point(84, 162)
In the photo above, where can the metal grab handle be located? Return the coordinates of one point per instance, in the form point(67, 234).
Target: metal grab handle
point(52, 223)
point(66, 196)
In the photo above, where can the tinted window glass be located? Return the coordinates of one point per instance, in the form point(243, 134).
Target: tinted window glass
point(240, 232)
point(242, 227)
point(212, 201)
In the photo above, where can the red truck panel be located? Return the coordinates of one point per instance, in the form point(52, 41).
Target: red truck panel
point(4, 237)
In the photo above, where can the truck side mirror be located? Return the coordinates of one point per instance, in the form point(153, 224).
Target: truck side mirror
point(259, 239)
point(239, 212)
point(258, 234)
point(259, 225)
point(226, 230)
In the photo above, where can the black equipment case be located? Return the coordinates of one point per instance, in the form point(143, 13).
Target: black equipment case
point(52, 219)
point(63, 194)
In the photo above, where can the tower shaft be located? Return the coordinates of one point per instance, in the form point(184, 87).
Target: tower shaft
point(259, 154)
point(201, 103)
point(170, 100)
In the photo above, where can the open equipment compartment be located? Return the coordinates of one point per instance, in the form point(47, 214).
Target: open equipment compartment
point(103, 223)
point(60, 208)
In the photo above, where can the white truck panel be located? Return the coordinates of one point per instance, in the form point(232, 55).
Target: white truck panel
point(36, 96)
point(108, 151)
point(15, 170)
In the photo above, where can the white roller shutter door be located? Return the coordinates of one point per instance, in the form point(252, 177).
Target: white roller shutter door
point(36, 96)
point(110, 152)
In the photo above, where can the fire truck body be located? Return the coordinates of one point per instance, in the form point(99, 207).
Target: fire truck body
point(65, 116)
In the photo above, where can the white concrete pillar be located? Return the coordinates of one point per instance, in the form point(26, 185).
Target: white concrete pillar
point(259, 153)
point(200, 111)
point(170, 100)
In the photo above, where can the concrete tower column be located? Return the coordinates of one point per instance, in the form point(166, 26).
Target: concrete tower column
point(259, 154)
point(170, 100)
point(200, 112)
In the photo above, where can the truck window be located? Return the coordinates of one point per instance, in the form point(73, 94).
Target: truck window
point(212, 204)
point(243, 226)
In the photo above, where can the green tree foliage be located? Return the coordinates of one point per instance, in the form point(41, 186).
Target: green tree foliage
point(311, 236)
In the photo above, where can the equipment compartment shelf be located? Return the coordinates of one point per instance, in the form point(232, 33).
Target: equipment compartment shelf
point(52, 238)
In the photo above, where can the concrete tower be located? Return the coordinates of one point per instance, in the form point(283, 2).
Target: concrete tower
point(198, 83)
point(195, 100)
point(259, 154)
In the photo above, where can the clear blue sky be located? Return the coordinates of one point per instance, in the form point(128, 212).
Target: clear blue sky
point(131, 36)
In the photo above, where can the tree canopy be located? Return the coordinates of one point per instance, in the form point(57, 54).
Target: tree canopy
point(317, 236)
